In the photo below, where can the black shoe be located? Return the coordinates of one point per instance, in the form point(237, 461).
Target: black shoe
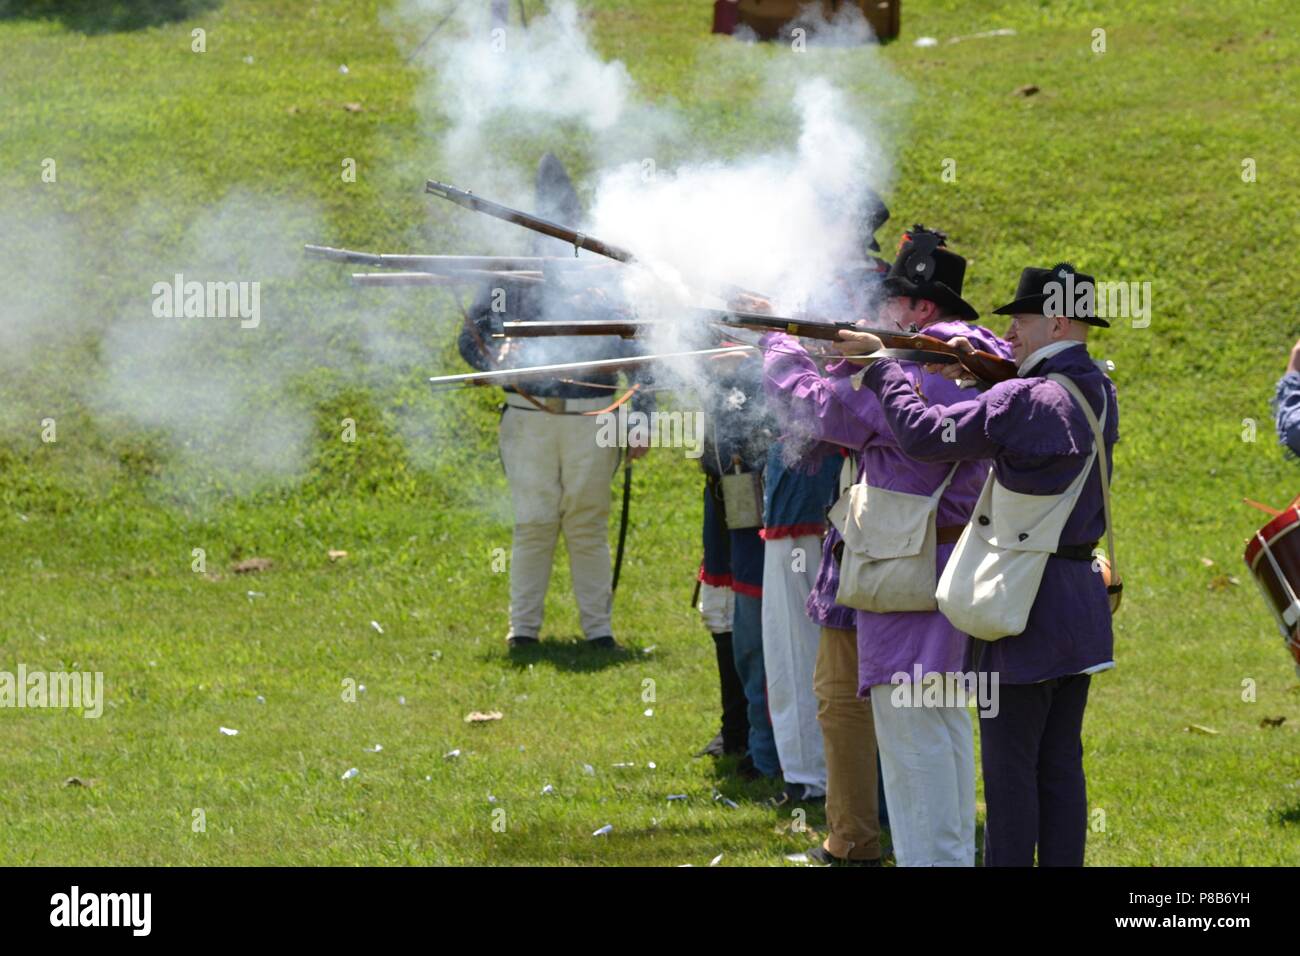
point(713, 748)
point(520, 640)
point(820, 854)
point(797, 793)
point(746, 769)
point(604, 643)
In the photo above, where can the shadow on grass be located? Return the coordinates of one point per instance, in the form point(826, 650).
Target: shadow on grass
point(1288, 816)
point(572, 655)
point(105, 16)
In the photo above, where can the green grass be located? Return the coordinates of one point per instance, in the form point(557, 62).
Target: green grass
point(1128, 163)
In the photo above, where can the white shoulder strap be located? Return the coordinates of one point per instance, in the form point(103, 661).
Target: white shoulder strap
point(938, 492)
point(1099, 446)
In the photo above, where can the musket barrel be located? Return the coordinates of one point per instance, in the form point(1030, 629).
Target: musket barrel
point(536, 223)
point(464, 276)
point(512, 375)
point(343, 255)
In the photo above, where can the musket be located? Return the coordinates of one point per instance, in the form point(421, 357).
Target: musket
point(474, 276)
point(984, 366)
point(623, 328)
point(536, 223)
point(546, 227)
point(442, 264)
point(509, 376)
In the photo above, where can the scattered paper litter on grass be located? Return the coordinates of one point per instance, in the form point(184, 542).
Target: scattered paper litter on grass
point(1002, 32)
point(375, 625)
point(402, 701)
point(547, 790)
point(1201, 729)
point(229, 731)
point(649, 711)
point(925, 41)
point(650, 649)
point(676, 796)
point(350, 773)
point(797, 858)
point(478, 717)
point(343, 68)
point(1207, 562)
point(589, 770)
point(716, 860)
point(726, 801)
point(491, 799)
point(261, 699)
point(451, 754)
point(373, 750)
point(334, 555)
point(251, 565)
point(255, 594)
point(624, 765)
point(606, 830)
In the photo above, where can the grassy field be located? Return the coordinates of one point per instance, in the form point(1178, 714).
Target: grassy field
point(1127, 162)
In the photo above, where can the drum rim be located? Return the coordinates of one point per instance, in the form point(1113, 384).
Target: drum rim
point(1270, 532)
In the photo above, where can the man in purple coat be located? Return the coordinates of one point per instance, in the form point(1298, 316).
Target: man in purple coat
point(926, 752)
point(1040, 440)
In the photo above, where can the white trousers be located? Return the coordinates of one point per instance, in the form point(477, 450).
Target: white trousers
point(790, 642)
point(927, 755)
point(559, 481)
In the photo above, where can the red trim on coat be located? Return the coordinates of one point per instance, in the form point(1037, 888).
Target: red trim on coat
point(749, 590)
point(792, 530)
point(714, 580)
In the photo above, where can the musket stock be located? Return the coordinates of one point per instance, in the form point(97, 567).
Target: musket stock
point(986, 367)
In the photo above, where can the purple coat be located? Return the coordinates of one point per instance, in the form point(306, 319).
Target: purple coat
point(833, 411)
point(1039, 440)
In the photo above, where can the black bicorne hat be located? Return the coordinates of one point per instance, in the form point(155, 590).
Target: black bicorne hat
point(927, 269)
point(1059, 290)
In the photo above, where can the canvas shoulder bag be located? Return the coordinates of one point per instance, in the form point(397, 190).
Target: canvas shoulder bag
point(889, 555)
point(991, 580)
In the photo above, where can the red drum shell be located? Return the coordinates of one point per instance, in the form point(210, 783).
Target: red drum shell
point(1285, 548)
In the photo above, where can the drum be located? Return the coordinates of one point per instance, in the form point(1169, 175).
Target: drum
point(1273, 556)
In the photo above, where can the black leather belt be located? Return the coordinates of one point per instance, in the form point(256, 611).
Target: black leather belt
point(1075, 552)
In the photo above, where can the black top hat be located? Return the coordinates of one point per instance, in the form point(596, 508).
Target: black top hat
point(1059, 290)
point(875, 215)
point(556, 200)
point(927, 269)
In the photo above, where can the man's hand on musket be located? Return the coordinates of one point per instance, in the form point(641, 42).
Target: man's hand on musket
point(856, 343)
point(955, 370)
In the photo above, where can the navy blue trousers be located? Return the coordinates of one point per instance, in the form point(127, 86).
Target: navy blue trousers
point(1034, 788)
